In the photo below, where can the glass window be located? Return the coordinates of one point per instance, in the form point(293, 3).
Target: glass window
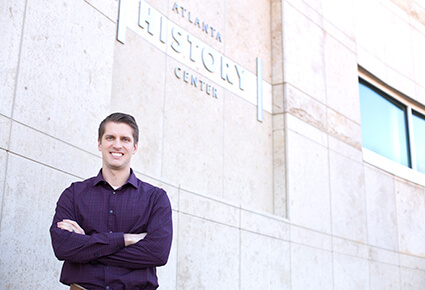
point(384, 125)
point(418, 121)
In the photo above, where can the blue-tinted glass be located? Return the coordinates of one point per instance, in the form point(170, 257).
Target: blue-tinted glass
point(383, 126)
point(419, 136)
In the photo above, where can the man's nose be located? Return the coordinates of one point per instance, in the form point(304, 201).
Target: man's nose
point(117, 143)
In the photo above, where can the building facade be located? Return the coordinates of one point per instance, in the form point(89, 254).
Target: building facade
point(257, 119)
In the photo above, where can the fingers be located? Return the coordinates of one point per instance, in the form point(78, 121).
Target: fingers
point(70, 226)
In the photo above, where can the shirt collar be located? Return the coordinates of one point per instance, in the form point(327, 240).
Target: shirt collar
point(131, 180)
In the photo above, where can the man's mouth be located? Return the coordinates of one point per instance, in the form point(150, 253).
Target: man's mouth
point(117, 154)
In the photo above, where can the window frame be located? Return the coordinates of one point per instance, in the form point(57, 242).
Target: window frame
point(397, 98)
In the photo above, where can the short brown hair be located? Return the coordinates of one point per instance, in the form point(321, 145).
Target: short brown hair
point(120, 118)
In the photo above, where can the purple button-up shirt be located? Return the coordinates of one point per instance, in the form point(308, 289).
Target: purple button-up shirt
point(99, 259)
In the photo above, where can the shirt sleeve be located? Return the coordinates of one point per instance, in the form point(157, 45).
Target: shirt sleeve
point(75, 247)
point(154, 249)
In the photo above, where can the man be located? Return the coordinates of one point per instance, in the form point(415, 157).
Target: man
point(113, 230)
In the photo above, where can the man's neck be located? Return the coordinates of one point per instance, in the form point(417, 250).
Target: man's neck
point(115, 178)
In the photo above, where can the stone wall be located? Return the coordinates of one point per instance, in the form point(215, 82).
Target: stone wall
point(286, 203)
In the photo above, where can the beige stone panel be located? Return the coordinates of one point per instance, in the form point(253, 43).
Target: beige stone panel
point(37, 146)
point(381, 209)
point(163, 6)
point(348, 198)
point(418, 46)
point(312, 9)
point(278, 98)
point(29, 203)
point(167, 275)
point(308, 183)
point(410, 201)
point(264, 224)
point(310, 268)
point(342, 85)
point(412, 262)
point(398, 41)
point(340, 14)
point(350, 272)
point(384, 256)
point(66, 70)
point(384, 276)
point(209, 209)
point(345, 149)
point(307, 237)
point(370, 26)
point(207, 254)
point(339, 35)
point(279, 166)
point(303, 54)
point(306, 130)
point(138, 89)
point(277, 42)
point(344, 129)
point(248, 34)
point(172, 191)
point(193, 134)
point(203, 19)
point(3, 161)
point(265, 262)
point(109, 8)
point(4, 132)
point(248, 155)
point(11, 23)
point(412, 279)
point(350, 248)
point(404, 84)
point(371, 63)
point(304, 107)
point(420, 94)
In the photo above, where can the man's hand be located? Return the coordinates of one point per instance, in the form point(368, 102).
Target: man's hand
point(130, 239)
point(71, 226)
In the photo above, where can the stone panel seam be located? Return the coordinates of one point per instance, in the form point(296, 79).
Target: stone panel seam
point(11, 113)
point(106, 16)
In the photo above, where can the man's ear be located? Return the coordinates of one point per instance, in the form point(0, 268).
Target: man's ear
point(136, 146)
point(98, 145)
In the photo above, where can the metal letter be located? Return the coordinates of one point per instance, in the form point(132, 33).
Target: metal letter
point(146, 17)
point(225, 70)
point(175, 7)
point(176, 34)
point(241, 77)
point(193, 47)
point(194, 81)
point(210, 64)
point(215, 93)
point(175, 72)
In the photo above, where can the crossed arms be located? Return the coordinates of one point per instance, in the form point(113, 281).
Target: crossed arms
point(132, 250)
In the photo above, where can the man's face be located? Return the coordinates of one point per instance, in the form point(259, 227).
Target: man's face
point(117, 146)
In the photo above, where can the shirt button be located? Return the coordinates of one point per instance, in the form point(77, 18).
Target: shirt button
point(107, 287)
point(107, 267)
point(114, 192)
point(111, 211)
point(110, 232)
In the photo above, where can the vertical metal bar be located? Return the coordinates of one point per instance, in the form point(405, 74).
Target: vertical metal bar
point(122, 21)
point(259, 89)
point(411, 137)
